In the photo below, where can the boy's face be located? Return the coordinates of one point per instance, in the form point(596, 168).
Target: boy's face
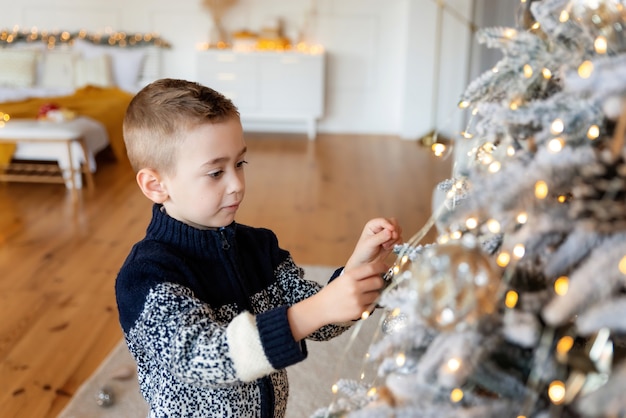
point(208, 183)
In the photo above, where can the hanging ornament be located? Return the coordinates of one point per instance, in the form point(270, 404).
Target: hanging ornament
point(453, 285)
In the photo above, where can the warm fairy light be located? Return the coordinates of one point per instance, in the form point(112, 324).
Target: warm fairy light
point(541, 189)
point(547, 74)
point(503, 259)
point(471, 223)
point(585, 69)
point(395, 312)
point(622, 265)
point(557, 126)
point(486, 159)
point(556, 144)
point(565, 344)
point(522, 218)
point(493, 226)
point(456, 235)
point(454, 364)
point(464, 104)
point(528, 71)
point(511, 298)
point(372, 392)
point(522, 1)
point(556, 392)
point(5, 116)
point(600, 45)
point(475, 111)
point(510, 151)
point(514, 105)
point(519, 250)
point(562, 198)
point(593, 132)
point(456, 395)
point(334, 388)
point(561, 285)
point(438, 149)
point(400, 359)
point(535, 26)
point(365, 315)
point(494, 167)
point(466, 135)
point(495, 70)
point(510, 33)
point(564, 16)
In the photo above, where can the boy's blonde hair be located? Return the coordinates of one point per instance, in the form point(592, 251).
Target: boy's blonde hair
point(160, 115)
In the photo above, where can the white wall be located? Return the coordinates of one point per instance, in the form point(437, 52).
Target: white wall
point(382, 61)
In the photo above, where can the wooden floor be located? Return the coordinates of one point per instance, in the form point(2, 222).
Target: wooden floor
point(58, 262)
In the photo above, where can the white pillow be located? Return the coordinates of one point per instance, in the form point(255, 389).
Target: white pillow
point(93, 71)
point(58, 69)
point(18, 67)
point(126, 62)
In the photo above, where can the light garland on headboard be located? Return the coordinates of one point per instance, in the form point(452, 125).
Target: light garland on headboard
point(54, 38)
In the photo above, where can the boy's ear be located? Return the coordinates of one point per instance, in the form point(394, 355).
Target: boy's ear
point(149, 182)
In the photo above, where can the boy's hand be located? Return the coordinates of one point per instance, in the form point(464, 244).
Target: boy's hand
point(342, 300)
point(376, 242)
point(354, 292)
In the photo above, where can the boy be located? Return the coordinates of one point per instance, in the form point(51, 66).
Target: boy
point(212, 310)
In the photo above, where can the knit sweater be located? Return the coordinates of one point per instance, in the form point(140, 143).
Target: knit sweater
point(204, 314)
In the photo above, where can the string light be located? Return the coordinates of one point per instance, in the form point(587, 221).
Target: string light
point(519, 251)
point(464, 104)
point(454, 364)
point(562, 198)
point(334, 389)
point(585, 69)
point(564, 345)
point(556, 144)
point(471, 223)
point(564, 16)
point(561, 285)
point(600, 44)
point(456, 395)
point(400, 359)
point(556, 392)
point(593, 132)
point(51, 39)
point(510, 151)
point(522, 218)
point(494, 167)
point(493, 226)
point(557, 126)
point(503, 259)
point(438, 149)
point(547, 74)
point(528, 71)
point(511, 298)
point(541, 189)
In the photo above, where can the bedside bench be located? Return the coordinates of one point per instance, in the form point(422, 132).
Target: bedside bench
point(71, 144)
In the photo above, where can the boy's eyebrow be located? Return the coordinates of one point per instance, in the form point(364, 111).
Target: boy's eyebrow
point(222, 159)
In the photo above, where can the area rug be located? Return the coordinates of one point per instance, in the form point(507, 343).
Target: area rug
point(310, 381)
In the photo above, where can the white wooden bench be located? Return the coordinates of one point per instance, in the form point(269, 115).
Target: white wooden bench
point(71, 144)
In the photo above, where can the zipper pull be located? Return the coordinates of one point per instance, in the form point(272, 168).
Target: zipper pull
point(225, 244)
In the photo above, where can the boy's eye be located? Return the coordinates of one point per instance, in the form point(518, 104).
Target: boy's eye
point(216, 174)
point(241, 163)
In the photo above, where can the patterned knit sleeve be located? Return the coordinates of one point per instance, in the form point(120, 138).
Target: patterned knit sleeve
point(296, 288)
point(176, 332)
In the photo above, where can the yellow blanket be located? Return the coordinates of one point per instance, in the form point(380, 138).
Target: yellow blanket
point(106, 105)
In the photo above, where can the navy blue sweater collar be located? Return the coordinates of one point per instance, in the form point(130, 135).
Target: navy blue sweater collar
point(196, 242)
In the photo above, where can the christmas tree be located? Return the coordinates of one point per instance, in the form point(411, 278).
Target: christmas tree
point(518, 309)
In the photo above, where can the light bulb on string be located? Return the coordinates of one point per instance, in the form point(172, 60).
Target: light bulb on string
point(593, 132)
point(600, 45)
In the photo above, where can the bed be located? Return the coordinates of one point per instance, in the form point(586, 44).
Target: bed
point(87, 77)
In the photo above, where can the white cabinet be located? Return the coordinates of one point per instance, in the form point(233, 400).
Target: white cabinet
point(273, 90)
